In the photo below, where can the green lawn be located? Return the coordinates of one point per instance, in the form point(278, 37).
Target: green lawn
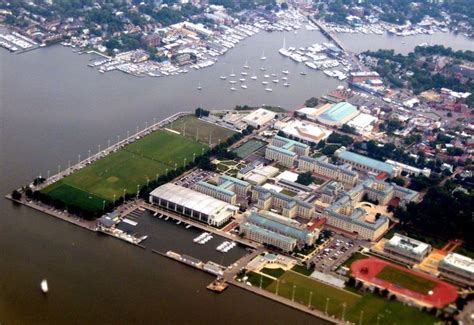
point(354, 257)
point(303, 269)
point(125, 169)
point(288, 192)
point(190, 126)
point(305, 285)
point(369, 305)
point(406, 280)
point(276, 273)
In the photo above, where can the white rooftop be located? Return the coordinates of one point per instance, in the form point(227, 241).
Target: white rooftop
point(289, 176)
point(190, 199)
point(306, 130)
point(409, 244)
point(460, 261)
point(362, 121)
point(259, 117)
point(276, 188)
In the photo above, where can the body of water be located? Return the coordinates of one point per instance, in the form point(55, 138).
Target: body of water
point(52, 108)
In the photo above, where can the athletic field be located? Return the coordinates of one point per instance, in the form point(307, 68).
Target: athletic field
point(121, 172)
point(405, 282)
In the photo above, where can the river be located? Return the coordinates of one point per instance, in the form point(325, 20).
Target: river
point(52, 108)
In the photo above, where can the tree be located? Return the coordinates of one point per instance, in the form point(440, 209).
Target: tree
point(284, 6)
point(305, 178)
point(312, 102)
point(16, 195)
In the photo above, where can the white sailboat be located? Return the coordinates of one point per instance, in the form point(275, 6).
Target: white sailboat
point(243, 86)
point(242, 79)
point(232, 82)
point(264, 82)
point(44, 286)
point(286, 84)
point(263, 57)
point(246, 65)
point(262, 69)
point(232, 73)
point(223, 77)
point(268, 89)
point(199, 87)
point(232, 88)
point(253, 77)
point(285, 72)
point(283, 50)
point(243, 73)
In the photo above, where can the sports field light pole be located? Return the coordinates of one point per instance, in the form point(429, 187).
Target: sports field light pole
point(114, 199)
point(378, 318)
point(327, 304)
point(147, 181)
point(278, 285)
point(184, 162)
point(124, 191)
point(166, 171)
point(175, 166)
point(103, 205)
point(157, 175)
point(138, 190)
point(293, 293)
point(310, 297)
point(261, 281)
point(343, 310)
point(194, 157)
point(361, 316)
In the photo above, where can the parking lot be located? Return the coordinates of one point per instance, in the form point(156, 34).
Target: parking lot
point(195, 176)
point(335, 253)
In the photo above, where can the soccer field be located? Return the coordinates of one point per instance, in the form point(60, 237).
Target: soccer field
point(190, 126)
point(121, 172)
point(406, 280)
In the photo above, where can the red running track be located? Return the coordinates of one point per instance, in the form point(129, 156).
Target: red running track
point(443, 294)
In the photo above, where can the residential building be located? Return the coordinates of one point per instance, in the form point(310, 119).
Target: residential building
point(227, 190)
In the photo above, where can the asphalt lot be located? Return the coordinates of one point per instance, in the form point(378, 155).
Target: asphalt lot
point(336, 252)
point(195, 176)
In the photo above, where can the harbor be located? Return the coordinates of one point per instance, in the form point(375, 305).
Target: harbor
point(44, 143)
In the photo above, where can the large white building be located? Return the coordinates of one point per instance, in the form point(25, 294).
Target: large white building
point(259, 118)
point(363, 123)
point(322, 166)
point(406, 249)
point(303, 131)
point(285, 151)
point(192, 204)
point(458, 268)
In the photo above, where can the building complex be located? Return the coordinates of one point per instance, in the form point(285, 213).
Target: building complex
point(350, 211)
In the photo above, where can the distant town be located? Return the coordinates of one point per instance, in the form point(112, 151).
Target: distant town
point(355, 206)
